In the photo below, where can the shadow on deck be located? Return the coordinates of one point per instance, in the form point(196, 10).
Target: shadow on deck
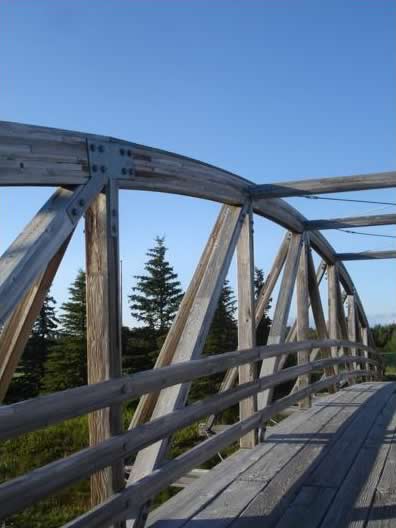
point(331, 466)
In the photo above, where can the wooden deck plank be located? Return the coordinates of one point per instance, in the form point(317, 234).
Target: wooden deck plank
point(349, 504)
point(270, 504)
point(183, 506)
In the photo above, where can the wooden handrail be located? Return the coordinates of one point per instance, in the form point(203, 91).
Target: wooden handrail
point(31, 487)
point(124, 504)
point(42, 411)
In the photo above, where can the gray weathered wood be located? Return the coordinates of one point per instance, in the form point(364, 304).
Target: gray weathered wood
point(278, 328)
point(103, 328)
point(303, 316)
point(361, 182)
point(246, 320)
point(147, 403)
point(260, 307)
point(30, 253)
point(353, 221)
point(332, 278)
point(367, 255)
point(120, 506)
point(17, 330)
point(352, 335)
point(194, 332)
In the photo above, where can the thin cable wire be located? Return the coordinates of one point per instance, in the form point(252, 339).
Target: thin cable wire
point(349, 231)
point(314, 197)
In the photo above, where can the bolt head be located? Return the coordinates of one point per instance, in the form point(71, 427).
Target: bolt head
point(103, 169)
point(130, 172)
point(92, 147)
point(101, 148)
point(94, 168)
point(74, 211)
point(129, 152)
point(122, 152)
point(124, 171)
point(81, 202)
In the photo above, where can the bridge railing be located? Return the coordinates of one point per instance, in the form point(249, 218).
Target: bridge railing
point(39, 412)
point(89, 171)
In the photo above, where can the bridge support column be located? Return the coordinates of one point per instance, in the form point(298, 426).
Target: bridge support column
point(246, 320)
point(303, 316)
point(104, 328)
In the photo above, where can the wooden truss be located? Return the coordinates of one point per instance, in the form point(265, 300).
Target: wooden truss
point(88, 172)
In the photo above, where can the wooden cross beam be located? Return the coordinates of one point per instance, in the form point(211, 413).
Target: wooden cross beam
point(348, 222)
point(367, 255)
point(360, 182)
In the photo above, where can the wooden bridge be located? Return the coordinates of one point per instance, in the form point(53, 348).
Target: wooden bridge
point(330, 464)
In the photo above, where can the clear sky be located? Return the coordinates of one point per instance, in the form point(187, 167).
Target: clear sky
point(272, 90)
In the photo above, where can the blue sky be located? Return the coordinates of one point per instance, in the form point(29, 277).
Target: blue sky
point(272, 90)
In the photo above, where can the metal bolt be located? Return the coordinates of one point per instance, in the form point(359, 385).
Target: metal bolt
point(22, 165)
point(74, 211)
point(113, 212)
point(129, 153)
point(94, 168)
point(122, 152)
point(92, 147)
point(103, 169)
point(130, 172)
point(101, 148)
point(81, 202)
point(124, 171)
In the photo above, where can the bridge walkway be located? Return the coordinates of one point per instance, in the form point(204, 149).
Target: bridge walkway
point(331, 466)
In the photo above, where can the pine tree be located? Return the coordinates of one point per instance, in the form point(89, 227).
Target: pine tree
point(30, 371)
point(265, 323)
point(156, 296)
point(66, 364)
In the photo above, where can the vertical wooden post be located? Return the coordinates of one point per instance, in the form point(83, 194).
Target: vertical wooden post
point(303, 316)
point(332, 278)
point(246, 319)
point(103, 327)
point(365, 340)
point(352, 335)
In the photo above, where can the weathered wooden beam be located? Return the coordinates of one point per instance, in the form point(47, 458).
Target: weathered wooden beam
point(361, 182)
point(352, 334)
point(367, 255)
point(332, 279)
point(320, 273)
point(147, 403)
point(246, 320)
point(134, 496)
point(103, 328)
point(32, 250)
point(348, 222)
point(194, 333)
point(20, 493)
point(279, 321)
point(303, 316)
point(29, 415)
point(16, 332)
point(260, 307)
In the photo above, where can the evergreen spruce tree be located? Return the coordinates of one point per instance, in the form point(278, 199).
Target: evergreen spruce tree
point(155, 298)
point(30, 371)
point(66, 364)
point(154, 302)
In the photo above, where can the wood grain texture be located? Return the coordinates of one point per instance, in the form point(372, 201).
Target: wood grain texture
point(103, 328)
point(17, 330)
point(367, 255)
point(246, 319)
point(278, 329)
point(353, 221)
point(303, 315)
point(147, 403)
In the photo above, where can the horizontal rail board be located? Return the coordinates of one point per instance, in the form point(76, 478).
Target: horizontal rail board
point(42, 411)
point(122, 505)
point(38, 484)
